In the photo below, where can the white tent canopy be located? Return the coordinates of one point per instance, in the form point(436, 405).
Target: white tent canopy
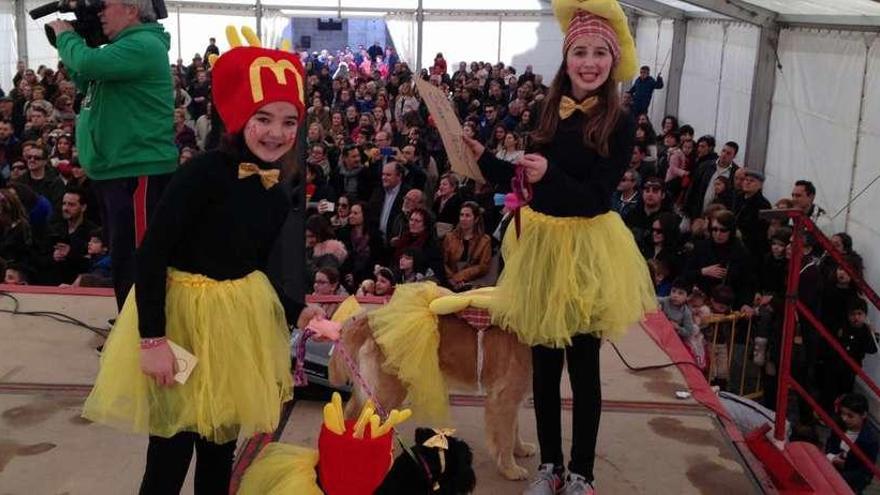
point(787, 79)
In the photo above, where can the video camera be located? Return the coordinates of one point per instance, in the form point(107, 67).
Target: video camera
point(87, 23)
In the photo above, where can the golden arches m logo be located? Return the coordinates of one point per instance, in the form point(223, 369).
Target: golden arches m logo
point(279, 68)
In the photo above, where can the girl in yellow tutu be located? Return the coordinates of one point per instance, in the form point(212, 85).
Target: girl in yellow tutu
point(573, 273)
point(201, 285)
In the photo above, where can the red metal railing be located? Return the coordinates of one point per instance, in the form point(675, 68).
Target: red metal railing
point(794, 308)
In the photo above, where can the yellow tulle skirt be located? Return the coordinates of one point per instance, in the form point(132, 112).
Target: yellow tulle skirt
point(568, 276)
point(407, 332)
point(282, 469)
point(238, 332)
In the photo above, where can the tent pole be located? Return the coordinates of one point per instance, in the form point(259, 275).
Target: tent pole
point(21, 30)
point(676, 66)
point(855, 162)
point(761, 106)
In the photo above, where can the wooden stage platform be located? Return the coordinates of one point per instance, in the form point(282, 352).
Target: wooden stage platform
point(650, 441)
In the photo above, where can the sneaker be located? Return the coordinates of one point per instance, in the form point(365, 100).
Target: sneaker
point(547, 482)
point(576, 484)
point(99, 350)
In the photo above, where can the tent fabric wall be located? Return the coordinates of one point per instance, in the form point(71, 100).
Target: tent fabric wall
point(40, 52)
point(404, 34)
point(700, 76)
point(815, 115)
point(735, 95)
point(9, 51)
point(654, 45)
point(518, 41)
point(862, 221)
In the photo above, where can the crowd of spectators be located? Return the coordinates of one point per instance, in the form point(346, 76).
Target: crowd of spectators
point(384, 207)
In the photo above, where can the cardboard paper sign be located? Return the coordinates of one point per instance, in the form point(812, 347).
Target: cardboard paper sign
point(185, 362)
point(460, 157)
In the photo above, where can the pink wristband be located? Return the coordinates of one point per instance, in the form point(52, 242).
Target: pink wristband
point(152, 343)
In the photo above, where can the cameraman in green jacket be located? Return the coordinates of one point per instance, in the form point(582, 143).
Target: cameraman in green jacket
point(124, 132)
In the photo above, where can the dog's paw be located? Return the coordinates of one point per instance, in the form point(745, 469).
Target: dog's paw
point(514, 472)
point(525, 449)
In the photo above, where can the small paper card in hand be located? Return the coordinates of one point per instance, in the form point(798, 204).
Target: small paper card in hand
point(184, 361)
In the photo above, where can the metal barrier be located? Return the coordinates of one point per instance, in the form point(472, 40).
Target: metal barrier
point(723, 345)
point(794, 308)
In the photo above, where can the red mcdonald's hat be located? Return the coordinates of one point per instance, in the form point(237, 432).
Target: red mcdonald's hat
point(246, 78)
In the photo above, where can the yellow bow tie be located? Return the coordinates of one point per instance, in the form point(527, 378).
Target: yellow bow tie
point(439, 441)
point(567, 106)
point(268, 177)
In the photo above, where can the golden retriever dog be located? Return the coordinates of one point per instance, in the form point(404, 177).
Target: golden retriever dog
point(506, 380)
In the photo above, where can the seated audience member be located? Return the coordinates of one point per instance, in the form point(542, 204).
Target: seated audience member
point(641, 218)
point(382, 286)
point(723, 192)
point(322, 247)
point(626, 198)
point(412, 268)
point(363, 242)
point(98, 257)
point(467, 250)
point(853, 419)
point(447, 202)
point(327, 284)
point(420, 235)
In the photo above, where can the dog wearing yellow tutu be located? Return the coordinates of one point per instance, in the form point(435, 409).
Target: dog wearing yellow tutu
point(410, 349)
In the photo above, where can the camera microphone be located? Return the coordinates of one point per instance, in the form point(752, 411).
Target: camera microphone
point(44, 10)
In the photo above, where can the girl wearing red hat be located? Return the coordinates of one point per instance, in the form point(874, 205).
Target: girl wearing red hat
point(201, 285)
point(573, 273)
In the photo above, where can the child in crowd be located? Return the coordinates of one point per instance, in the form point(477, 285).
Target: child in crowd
point(858, 339)
point(852, 417)
point(15, 274)
point(382, 286)
point(675, 307)
point(720, 302)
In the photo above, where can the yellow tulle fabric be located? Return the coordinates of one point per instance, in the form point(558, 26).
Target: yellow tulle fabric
point(238, 332)
point(568, 276)
point(282, 469)
point(406, 331)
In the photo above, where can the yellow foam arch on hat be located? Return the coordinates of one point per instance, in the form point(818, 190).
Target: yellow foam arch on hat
point(286, 46)
point(232, 37)
point(251, 36)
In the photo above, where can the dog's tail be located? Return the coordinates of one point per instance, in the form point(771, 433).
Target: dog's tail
point(354, 334)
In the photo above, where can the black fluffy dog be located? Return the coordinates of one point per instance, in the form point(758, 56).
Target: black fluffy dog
point(426, 474)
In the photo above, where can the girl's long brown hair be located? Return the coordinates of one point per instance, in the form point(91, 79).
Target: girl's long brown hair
point(600, 122)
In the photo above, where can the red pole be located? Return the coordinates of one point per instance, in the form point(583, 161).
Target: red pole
point(788, 327)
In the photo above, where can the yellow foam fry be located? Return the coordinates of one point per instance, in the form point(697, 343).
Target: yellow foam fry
point(232, 37)
point(362, 422)
point(374, 426)
point(403, 416)
point(251, 36)
point(389, 423)
point(212, 59)
point(337, 403)
point(348, 308)
point(331, 421)
point(285, 46)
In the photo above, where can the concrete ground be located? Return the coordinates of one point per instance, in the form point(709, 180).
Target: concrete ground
point(649, 442)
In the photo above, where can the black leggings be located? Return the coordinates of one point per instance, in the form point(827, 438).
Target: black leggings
point(168, 462)
point(583, 370)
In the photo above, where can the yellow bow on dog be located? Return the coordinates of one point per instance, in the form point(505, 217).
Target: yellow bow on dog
point(439, 441)
point(567, 106)
point(268, 177)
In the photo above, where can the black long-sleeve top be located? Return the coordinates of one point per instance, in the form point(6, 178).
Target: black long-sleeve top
point(579, 182)
point(212, 223)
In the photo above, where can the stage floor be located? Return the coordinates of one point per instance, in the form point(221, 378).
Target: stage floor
point(650, 442)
